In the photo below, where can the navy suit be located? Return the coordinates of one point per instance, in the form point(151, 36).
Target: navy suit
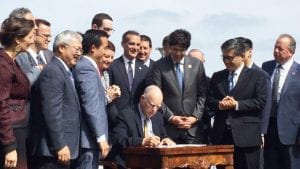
point(283, 131)
point(129, 132)
point(118, 76)
point(250, 92)
point(28, 64)
point(55, 113)
point(94, 118)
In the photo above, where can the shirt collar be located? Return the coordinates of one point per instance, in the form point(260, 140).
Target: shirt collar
point(32, 52)
point(64, 64)
point(287, 65)
point(92, 61)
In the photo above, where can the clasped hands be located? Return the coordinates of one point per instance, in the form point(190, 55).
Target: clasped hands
point(113, 92)
point(227, 102)
point(183, 122)
point(153, 141)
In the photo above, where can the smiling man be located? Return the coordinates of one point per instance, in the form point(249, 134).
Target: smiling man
point(183, 83)
point(55, 109)
point(128, 73)
point(237, 95)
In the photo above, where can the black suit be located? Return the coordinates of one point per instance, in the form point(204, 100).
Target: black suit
point(129, 132)
point(118, 76)
point(250, 92)
point(187, 102)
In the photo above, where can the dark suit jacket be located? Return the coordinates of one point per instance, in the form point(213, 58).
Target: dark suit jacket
point(92, 99)
point(265, 114)
point(14, 93)
point(129, 132)
point(28, 64)
point(118, 76)
point(250, 92)
point(190, 101)
point(288, 116)
point(55, 112)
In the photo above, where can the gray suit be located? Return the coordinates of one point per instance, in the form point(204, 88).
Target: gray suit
point(188, 102)
point(28, 64)
point(94, 118)
point(55, 113)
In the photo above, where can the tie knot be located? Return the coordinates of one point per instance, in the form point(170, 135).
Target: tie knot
point(129, 62)
point(279, 66)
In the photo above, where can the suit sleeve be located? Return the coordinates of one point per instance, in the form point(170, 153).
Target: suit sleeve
point(122, 133)
point(51, 88)
point(31, 72)
point(154, 78)
point(92, 96)
point(256, 103)
point(201, 92)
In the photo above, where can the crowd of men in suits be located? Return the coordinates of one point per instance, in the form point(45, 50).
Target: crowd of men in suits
point(85, 106)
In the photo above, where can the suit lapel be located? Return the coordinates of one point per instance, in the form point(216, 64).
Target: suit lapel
point(137, 74)
point(67, 78)
point(172, 74)
point(241, 81)
point(224, 83)
point(291, 74)
point(32, 61)
point(187, 72)
point(123, 72)
point(138, 121)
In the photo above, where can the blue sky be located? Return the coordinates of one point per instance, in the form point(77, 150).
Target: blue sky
point(210, 22)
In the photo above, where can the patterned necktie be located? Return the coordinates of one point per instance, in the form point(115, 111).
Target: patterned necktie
point(40, 60)
point(179, 74)
point(146, 129)
point(231, 80)
point(130, 74)
point(275, 91)
point(275, 85)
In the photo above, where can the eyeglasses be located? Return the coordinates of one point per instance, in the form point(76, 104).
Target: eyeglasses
point(152, 105)
point(227, 58)
point(78, 49)
point(44, 36)
point(108, 29)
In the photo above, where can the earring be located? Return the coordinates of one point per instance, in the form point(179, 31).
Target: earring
point(17, 49)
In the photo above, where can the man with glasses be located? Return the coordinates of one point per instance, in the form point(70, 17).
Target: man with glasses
point(141, 126)
point(183, 82)
point(55, 110)
point(37, 56)
point(237, 95)
point(103, 21)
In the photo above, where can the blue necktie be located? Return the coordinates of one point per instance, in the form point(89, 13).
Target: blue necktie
point(231, 80)
point(130, 74)
point(179, 74)
point(71, 77)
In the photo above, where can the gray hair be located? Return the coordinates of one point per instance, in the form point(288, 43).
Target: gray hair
point(292, 45)
point(65, 37)
point(19, 13)
point(151, 89)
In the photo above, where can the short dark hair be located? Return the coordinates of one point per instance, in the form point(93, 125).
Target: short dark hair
point(19, 13)
point(42, 21)
point(98, 19)
point(130, 32)
point(181, 38)
point(234, 44)
point(14, 28)
point(147, 39)
point(247, 42)
point(90, 38)
point(111, 46)
point(165, 41)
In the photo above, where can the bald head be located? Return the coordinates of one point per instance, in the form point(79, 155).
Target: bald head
point(151, 100)
point(196, 53)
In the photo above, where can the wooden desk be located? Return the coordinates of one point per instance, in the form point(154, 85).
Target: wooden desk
point(192, 156)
